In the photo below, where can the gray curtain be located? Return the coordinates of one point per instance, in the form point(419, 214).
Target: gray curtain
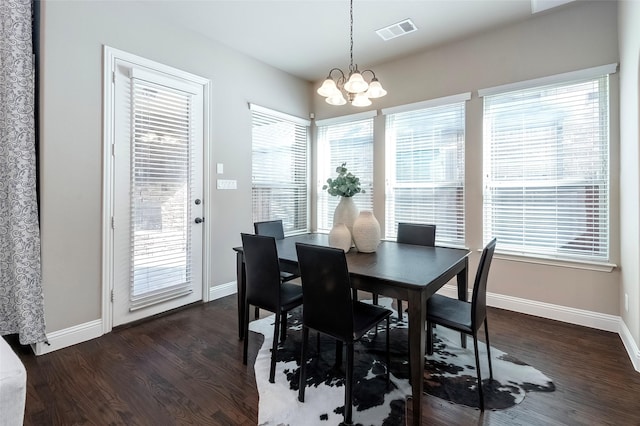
point(21, 298)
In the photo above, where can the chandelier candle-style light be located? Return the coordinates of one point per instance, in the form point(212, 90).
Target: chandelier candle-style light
point(357, 90)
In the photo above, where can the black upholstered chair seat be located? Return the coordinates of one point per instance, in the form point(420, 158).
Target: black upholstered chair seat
point(451, 313)
point(365, 317)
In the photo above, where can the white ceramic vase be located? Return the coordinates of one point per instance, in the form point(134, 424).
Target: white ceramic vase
point(346, 212)
point(366, 232)
point(340, 237)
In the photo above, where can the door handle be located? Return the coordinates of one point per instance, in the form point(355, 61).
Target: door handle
point(199, 219)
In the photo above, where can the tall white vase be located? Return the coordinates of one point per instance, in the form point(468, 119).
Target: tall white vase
point(346, 212)
point(340, 237)
point(366, 232)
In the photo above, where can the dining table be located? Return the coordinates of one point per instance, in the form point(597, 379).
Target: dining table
point(400, 271)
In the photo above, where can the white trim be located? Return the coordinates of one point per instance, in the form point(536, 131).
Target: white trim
point(552, 79)
point(630, 345)
point(282, 115)
point(347, 118)
point(447, 100)
point(223, 290)
point(110, 55)
point(69, 336)
point(563, 263)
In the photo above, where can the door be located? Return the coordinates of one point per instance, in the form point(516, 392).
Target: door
point(158, 200)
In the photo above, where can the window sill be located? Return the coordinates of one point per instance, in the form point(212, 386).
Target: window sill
point(563, 263)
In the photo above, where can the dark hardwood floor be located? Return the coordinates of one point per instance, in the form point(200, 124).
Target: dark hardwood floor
point(186, 368)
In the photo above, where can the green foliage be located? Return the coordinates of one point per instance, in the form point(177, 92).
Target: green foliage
point(345, 185)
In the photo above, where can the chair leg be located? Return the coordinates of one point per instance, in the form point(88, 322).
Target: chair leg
point(480, 393)
point(399, 309)
point(274, 349)
point(339, 353)
point(486, 336)
point(388, 358)
point(429, 338)
point(245, 333)
point(283, 327)
point(257, 313)
point(348, 389)
point(303, 363)
point(375, 298)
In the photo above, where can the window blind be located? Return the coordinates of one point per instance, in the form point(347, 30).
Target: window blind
point(425, 170)
point(351, 143)
point(546, 160)
point(279, 180)
point(160, 182)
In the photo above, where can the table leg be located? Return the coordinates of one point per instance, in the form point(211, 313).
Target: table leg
point(417, 317)
point(463, 291)
point(241, 288)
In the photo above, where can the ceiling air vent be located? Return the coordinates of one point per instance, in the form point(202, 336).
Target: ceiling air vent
point(396, 30)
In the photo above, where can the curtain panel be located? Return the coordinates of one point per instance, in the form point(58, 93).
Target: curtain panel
point(21, 297)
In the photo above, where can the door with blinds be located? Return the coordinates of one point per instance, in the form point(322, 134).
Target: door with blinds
point(158, 205)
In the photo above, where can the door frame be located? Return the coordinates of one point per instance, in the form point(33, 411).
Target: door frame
point(110, 55)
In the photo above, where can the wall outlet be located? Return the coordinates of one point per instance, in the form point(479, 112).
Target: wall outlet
point(626, 302)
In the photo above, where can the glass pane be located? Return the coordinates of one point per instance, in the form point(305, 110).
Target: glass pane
point(160, 192)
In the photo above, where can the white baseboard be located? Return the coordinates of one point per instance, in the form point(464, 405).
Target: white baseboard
point(222, 290)
point(630, 345)
point(582, 317)
point(69, 337)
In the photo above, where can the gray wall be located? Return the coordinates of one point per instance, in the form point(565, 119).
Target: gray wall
point(573, 37)
point(629, 17)
point(73, 34)
point(570, 38)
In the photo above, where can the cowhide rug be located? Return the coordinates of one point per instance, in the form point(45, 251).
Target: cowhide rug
point(449, 374)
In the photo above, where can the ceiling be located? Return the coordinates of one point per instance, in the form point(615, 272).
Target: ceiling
point(306, 38)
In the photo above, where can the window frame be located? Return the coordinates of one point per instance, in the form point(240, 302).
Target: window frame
point(300, 167)
point(557, 258)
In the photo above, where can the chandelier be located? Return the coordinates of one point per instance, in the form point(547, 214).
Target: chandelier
point(338, 88)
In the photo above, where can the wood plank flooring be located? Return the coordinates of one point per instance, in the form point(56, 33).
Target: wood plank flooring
point(186, 368)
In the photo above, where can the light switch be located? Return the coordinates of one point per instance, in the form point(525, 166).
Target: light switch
point(227, 184)
point(220, 168)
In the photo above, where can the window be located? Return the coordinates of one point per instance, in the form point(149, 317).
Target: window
point(425, 167)
point(546, 162)
point(279, 179)
point(348, 142)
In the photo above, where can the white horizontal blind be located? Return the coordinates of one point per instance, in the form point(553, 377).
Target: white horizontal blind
point(546, 159)
point(350, 143)
point(425, 170)
point(160, 182)
point(279, 180)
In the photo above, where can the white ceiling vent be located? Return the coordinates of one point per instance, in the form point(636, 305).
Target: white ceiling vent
point(396, 30)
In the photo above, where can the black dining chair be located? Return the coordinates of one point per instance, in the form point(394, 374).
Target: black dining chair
point(418, 234)
point(465, 317)
point(275, 229)
point(330, 309)
point(265, 290)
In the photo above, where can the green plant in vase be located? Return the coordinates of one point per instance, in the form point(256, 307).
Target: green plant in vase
point(346, 184)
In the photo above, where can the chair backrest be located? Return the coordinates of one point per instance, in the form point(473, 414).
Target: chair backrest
point(270, 228)
point(263, 271)
point(479, 298)
point(418, 234)
point(326, 290)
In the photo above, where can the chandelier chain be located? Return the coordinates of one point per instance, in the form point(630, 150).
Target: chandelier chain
point(351, 36)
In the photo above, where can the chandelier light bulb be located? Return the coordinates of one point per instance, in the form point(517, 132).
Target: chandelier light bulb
point(356, 83)
point(361, 100)
point(375, 89)
point(328, 88)
point(336, 99)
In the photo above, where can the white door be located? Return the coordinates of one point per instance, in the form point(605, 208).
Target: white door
point(158, 192)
